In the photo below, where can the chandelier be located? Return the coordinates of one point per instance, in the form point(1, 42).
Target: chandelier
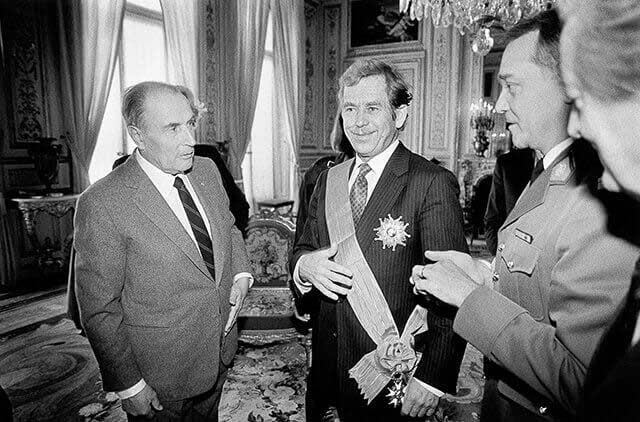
point(475, 16)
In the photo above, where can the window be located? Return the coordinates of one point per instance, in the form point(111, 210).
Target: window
point(258, 163)
point(141, 57)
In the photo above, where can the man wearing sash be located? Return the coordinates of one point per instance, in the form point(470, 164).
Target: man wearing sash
point(379, 352)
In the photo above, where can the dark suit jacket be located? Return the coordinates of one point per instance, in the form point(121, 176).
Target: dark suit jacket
point(238, 204)
point(426, 196)
point(611, 389)
point(510, 176)
point(148, 304)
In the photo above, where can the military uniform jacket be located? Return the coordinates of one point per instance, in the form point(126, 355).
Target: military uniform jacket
point(559, 279)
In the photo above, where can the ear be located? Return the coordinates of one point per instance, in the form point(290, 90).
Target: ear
point(402, 113)
point(137, 137)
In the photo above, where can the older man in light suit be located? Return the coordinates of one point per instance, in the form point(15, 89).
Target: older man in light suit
point(161, 271)
point(559, 275)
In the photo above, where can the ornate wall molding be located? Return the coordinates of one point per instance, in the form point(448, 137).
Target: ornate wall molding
point(25, 102)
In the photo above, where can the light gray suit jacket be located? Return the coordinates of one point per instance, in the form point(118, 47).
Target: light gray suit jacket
point(561, 276)
point(148, 304)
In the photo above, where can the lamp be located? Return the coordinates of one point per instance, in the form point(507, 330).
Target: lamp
point(482, 121)
point(475, 16)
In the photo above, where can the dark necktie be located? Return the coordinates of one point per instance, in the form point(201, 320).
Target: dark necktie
point(197, 225)
point(358, 194)
point(539, 168)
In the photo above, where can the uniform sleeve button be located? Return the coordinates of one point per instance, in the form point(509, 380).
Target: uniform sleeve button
point(501, 247)
point(510, 264)
point(495, 276)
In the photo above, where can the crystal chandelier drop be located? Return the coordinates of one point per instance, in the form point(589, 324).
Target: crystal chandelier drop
point(475, 16)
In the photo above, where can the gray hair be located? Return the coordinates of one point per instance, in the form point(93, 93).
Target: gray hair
point(604, 48)
point(135, 96)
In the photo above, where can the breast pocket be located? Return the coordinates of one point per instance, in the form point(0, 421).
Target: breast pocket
point(521, 259)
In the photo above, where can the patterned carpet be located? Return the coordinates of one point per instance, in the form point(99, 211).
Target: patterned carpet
point(50, 374)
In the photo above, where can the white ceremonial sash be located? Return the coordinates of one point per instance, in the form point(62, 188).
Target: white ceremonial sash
point(394, 357)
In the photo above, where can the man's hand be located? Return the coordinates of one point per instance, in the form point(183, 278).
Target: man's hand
point(239, 291)
point(330, 278)
point(418, 401)
point(444, 280)
point(476, 270)
point(145, 403)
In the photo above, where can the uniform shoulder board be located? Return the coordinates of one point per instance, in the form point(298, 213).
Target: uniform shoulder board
point(561, 171)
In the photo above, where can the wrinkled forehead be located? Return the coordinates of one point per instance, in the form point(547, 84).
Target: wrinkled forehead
point(163, 106)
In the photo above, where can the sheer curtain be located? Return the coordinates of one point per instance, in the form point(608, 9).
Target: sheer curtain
point(252, 29)
point(181, 35)
point(90, 32)
point(289, 60)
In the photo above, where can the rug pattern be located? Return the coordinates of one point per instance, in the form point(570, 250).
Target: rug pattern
point(51, 374)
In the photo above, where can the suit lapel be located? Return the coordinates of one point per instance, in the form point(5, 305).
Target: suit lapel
point(391, 183)
point(210, 200)
point(152, 204)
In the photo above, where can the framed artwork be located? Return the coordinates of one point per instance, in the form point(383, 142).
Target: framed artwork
point(376, 22)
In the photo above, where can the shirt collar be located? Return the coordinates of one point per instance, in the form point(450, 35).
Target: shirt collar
point(379, 162)
point(555, 152)
point(163, 181)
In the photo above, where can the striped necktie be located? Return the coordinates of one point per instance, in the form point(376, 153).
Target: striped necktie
point(358, 194)
point(197, 225)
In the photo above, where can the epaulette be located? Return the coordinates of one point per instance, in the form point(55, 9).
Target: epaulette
point(561, 171)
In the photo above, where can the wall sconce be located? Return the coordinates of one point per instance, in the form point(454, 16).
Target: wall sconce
point(482, 121)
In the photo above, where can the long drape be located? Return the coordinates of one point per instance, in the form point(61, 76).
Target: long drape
point(251, 31)
point(90, 32)
point(289, 61)
point(181, 35)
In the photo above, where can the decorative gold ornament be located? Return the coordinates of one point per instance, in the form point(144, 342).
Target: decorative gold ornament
point(392, 232)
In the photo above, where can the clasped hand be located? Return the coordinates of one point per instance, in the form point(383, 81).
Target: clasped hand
point(451, 278)
point(330, 278)
point(145, 403)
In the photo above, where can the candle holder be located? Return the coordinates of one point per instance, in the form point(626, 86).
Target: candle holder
point(482, 121)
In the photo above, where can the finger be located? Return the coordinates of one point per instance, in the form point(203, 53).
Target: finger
point(339, 279)
point(231, 319)
point(339, 269)
point(430, 411)
point(234, 296)
point(333, 287)
point(421, 412)
point(439, 255)
point(155, 403)
point(326, 292)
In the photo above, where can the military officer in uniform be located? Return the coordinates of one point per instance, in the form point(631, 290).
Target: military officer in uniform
point(553, 295)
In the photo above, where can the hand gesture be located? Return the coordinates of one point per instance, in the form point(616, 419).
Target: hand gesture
point(444, 280)
point(145, 403)
point(330, 278)
point(239, 291)
point(418, 401)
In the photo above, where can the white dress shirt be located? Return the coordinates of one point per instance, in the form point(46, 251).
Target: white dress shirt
point(555, 152)
point(164, 183)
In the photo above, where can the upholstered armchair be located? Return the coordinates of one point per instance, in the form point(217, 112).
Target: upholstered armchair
point(268, 314)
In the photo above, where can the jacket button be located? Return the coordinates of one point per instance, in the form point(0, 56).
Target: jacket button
point(542, 410)
point(495, 277)
point(334, 334)
point(510, 264)
point(501, 247)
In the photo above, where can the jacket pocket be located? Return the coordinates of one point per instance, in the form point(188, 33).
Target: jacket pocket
point(521, 259)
